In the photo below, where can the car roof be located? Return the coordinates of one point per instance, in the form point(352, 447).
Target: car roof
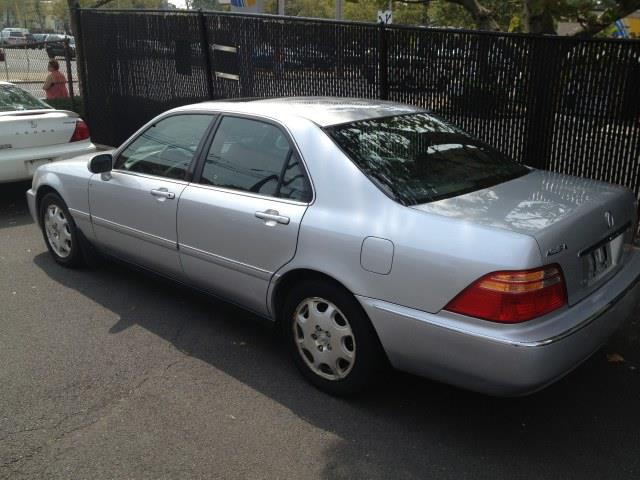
point(324, 111)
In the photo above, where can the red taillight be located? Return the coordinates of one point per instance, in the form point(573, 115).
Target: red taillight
point(512, 296)
point(81, 132)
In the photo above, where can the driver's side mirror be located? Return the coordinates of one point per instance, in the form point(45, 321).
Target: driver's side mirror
point(102, 163)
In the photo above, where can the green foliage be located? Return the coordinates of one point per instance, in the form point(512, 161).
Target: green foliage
point(60, 8)
point(65, 104)
point(438, 13)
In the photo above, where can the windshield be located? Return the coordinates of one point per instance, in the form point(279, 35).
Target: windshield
point(418, 158)
point(14, 98)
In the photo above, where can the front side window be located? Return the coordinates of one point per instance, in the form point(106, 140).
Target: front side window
point(167, 148)
point(418, 158)
point(254, 156)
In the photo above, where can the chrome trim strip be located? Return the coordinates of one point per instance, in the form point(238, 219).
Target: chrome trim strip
point(225, 262)
point(79, 214)
point(224, 48)
point(151, 177)
point(605, 240)
point(398, 310)
point(228, 76)
point(133, 232)
point(248, 194)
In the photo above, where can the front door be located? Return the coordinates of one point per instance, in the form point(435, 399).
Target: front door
point(134, 207)
point(238, 221)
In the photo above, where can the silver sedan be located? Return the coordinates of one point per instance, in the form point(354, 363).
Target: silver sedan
point(372, 232)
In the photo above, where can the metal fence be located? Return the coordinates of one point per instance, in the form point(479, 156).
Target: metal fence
point(562, 104)
point(26, 65)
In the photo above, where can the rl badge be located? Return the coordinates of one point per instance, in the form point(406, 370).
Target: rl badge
point(608, 216)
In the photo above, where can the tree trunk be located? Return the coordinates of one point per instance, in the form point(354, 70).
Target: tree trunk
point(480, 14)
point(537, 18)
point(73, 20)
point(73, 4)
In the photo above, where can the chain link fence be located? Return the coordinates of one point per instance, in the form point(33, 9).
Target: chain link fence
point(558, 103)
point(26, 65)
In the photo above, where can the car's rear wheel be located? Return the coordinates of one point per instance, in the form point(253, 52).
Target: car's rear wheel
point(330, 338)
point(60, 232)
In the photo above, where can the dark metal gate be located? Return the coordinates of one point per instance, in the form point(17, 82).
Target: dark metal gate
point(552, 102)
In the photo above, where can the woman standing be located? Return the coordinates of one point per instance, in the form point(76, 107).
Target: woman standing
point(55, 84)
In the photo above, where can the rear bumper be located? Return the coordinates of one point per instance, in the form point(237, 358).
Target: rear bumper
point(499, 359)
point(31, 202)
point(20, 164)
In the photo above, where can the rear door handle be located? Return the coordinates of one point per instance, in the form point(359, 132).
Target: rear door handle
point(163, 192)
point(272, 216)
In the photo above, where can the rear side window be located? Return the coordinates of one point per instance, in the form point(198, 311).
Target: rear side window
point(418, 158)
point(166, 149)
point(14, 98)
point(254, 156)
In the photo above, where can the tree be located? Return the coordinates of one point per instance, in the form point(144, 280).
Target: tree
point(541, 16)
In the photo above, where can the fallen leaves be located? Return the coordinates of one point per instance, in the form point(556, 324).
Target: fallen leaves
point(615, 358)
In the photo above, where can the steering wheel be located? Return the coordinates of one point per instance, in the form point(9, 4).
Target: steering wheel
point(256, 187)
point(170, 152)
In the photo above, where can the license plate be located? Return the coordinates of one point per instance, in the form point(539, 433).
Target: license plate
point(599, 262)
point(32, 165)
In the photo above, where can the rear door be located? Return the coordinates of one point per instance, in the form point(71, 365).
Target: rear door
point(133, 208)
point(238, 221)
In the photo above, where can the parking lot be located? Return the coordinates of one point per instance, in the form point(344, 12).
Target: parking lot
point(112, 373)
point(27, 67)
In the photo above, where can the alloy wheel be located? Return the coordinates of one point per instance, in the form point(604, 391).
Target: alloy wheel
point(58, 230)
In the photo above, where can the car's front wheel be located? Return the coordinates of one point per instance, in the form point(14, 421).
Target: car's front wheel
point(331, 339)
point(60, 232)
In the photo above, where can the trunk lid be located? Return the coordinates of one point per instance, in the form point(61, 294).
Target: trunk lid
point(580, 224)
point(35, 128)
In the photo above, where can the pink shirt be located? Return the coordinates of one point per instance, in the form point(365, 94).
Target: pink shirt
point(58, 88)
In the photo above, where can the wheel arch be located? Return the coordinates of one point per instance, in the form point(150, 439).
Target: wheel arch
point(296, 275)
point(292, 277)
point(40, 194)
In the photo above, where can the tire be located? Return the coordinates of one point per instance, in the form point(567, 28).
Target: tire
point(343, 338)
point(60, 233)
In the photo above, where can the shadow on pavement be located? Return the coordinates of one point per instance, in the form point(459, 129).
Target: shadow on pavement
point(585, 426)
point(14, 211)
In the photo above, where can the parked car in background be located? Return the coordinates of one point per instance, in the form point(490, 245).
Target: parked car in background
point(369, 230)
point(55, 45)
point(39, 39)
point(15, 36)
point(32, 134)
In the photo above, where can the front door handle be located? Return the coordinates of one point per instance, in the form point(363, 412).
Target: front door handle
point(272, 217)
point(163, 193)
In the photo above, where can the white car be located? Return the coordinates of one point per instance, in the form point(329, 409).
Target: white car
point(33, 133)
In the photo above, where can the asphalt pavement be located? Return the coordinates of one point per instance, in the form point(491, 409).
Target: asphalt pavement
point(111, 373)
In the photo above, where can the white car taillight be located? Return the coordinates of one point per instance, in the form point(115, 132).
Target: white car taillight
point(81, 131)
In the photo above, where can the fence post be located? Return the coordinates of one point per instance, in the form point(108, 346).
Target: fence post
point(383, 62)
point(544, 78)
point(67, 58)
point(204, 41)
point(81, 65)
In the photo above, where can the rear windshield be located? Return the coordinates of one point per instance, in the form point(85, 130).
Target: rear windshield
point(14, 98)
point(418, 158)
